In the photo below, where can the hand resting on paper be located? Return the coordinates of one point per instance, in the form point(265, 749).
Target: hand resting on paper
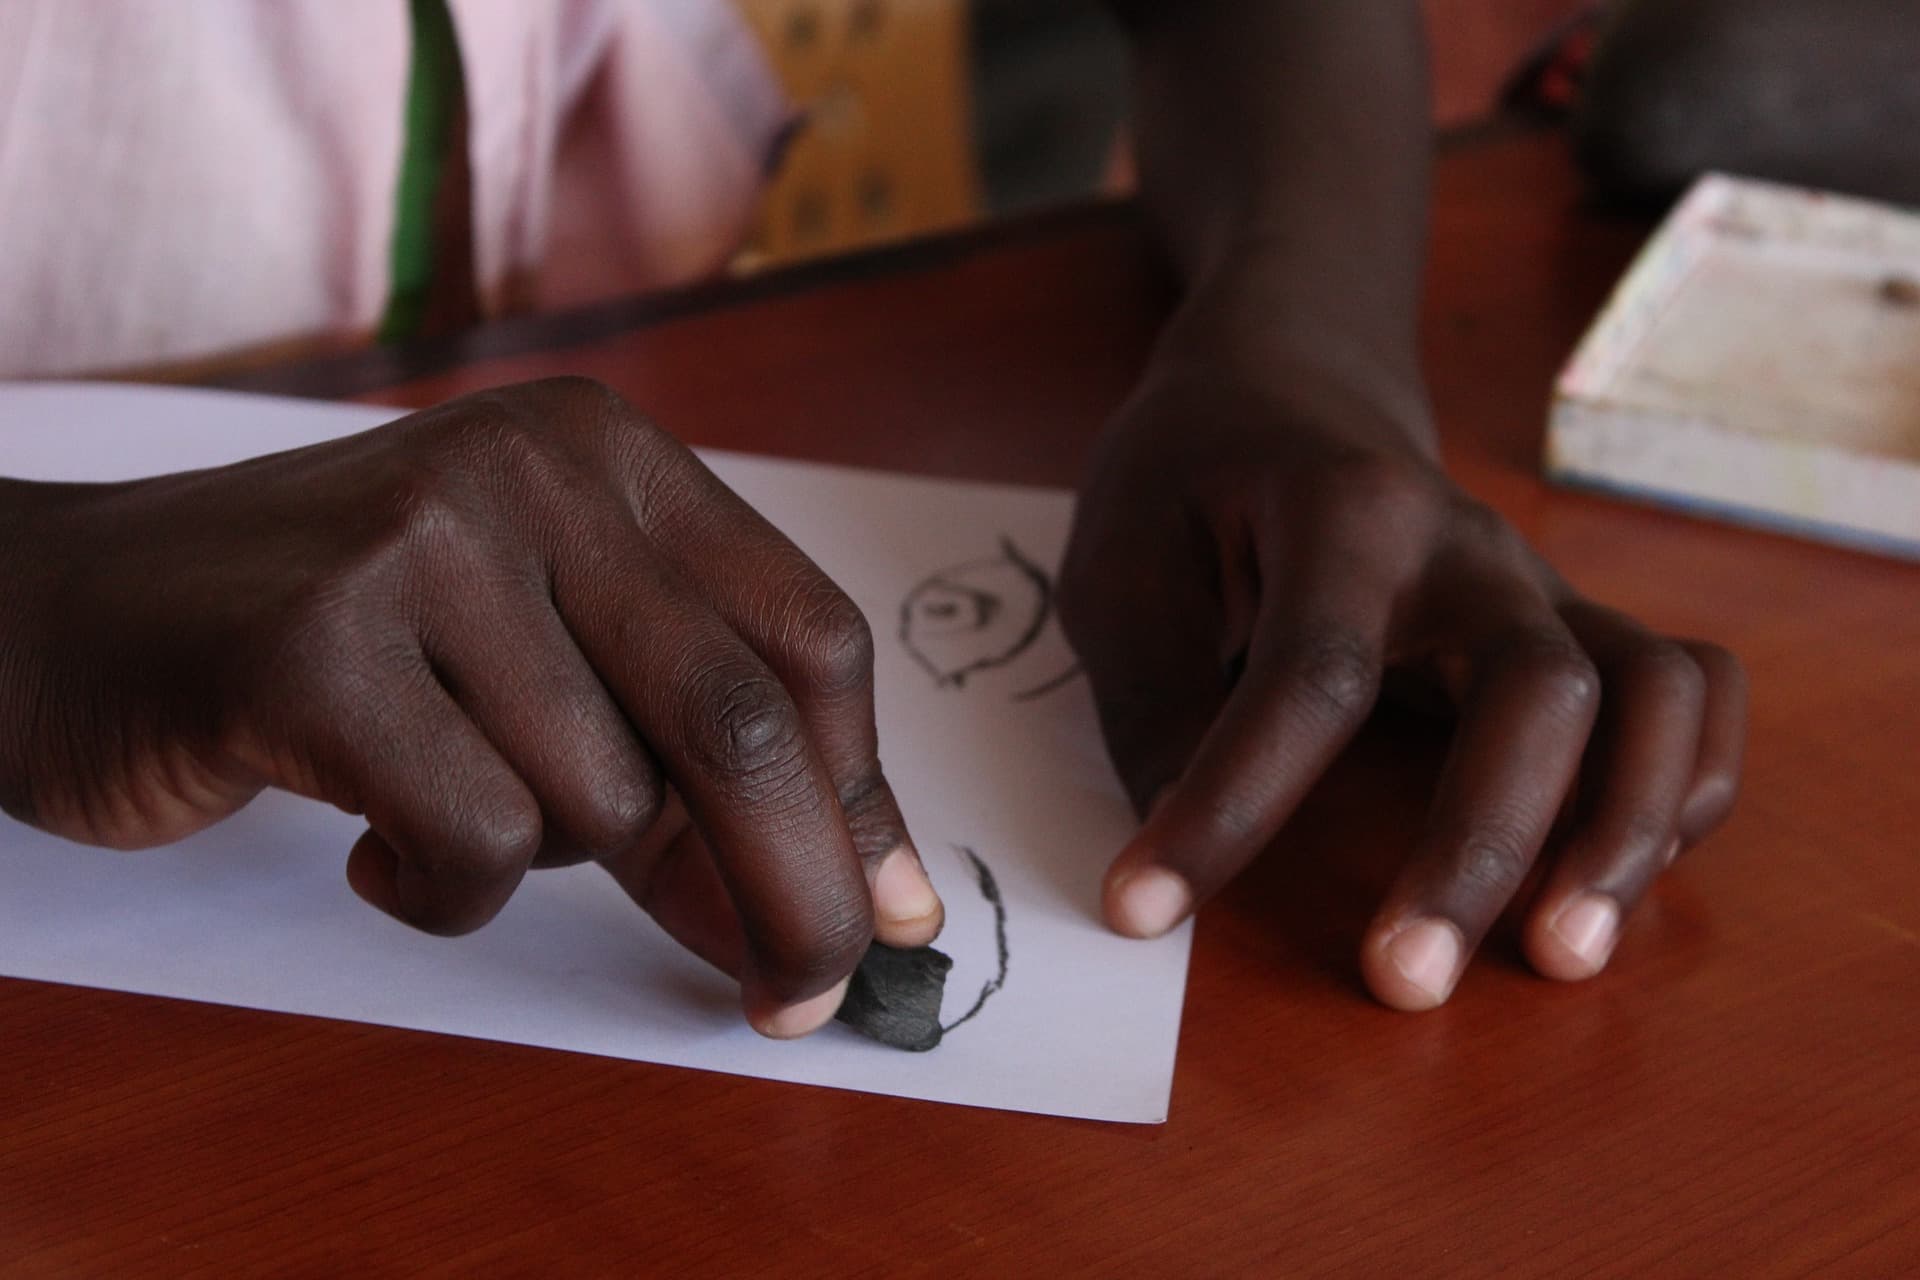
point(525, 628)
point(1256, 553)
point(1266, 534)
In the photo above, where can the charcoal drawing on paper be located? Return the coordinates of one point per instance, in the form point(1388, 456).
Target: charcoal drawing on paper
point(979, 616)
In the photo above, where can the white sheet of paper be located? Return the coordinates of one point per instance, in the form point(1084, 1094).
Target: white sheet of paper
point(255, 912)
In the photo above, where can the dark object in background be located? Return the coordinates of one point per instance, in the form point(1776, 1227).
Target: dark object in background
point(1049, 96)
point(894, 996)
point(1819, 93)
point(1547, 83)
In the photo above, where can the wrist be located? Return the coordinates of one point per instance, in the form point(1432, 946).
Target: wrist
point(1353, 359)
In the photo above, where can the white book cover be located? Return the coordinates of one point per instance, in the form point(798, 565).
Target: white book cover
point(1760, 363)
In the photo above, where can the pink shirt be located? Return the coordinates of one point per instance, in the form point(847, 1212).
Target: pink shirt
point(182, 180)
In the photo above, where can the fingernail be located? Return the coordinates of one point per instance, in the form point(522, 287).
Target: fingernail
point(1150, 901)
point(1589, 926)
point(1427, 955)
point(802, 1018)
point(902, 894)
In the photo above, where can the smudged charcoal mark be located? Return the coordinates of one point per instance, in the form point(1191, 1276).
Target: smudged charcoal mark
point(1046, 687)
point(990, 890)
point(894, 996)
point(1900, 291)
point(976, 616)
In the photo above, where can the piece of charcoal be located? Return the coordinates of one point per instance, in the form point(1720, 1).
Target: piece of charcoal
point(894, 996)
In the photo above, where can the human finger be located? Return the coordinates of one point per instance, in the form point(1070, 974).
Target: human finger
point(1159, 654)
point(1723, 740)
point(508, 661)
point(670, 874)
point(1638, 772)
point(734, 745)
point(820, 646)
point(1529, 710)
point(452, 828)
point(1312, 674)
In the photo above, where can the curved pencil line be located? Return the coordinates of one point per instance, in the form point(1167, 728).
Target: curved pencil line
point(1044, 584)
point(1012, 555)
point(1046, 687)
point(990, 890)
point(905, 634)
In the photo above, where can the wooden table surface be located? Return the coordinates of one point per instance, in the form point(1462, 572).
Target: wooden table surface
point(1740, 1095)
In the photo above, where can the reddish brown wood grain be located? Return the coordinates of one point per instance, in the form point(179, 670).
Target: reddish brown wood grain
point(1739, 1096)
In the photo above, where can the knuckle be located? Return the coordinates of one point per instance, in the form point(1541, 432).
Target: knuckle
point(1480, 523)
point(1672, 673)
point(1235, 821)
point(461, 432)
point(1644, 832)
point(621, 810)
point(1559, 669)
point(835, 644)
point(1380, 490)
point(1479, 537)
point(1494, 857)
point(1339, 671)
point(502, 839)
point(504, 448)
point(497, 433)
point(465, 883)
point(421, 512)
point(742, 726)
point(607, 434)
point(657, 474)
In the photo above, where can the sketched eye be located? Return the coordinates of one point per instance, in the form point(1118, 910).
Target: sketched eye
point(973, 616)
point(944, 608)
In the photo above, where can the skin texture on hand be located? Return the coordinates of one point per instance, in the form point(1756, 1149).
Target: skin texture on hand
point(525, 628)
point(1265, 535)
point(1250, 567)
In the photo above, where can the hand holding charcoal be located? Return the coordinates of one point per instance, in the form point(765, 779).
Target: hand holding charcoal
point(524, 628)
